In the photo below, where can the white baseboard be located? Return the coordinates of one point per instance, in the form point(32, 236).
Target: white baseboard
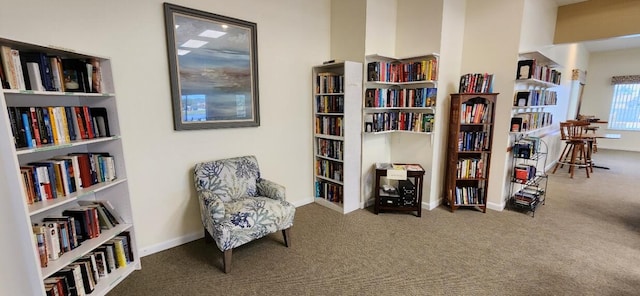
point(495, 206)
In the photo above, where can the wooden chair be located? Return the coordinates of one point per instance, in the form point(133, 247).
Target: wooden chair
point(576, 150)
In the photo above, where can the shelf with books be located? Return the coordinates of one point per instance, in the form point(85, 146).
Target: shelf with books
point(536, 76)
point(337, 97)
point(400, 94)
point(62, 148)
point(469, 146)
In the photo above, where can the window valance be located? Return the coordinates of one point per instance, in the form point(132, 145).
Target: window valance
point(626, 79)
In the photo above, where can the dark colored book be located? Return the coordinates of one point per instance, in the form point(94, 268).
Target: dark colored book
point(75, 75)
point(84, 162)
point(516, 124)
point(17, 128)
point(522, 99)
point(69, 111)
point(71, 280)
point(101, 120)
point(525, 69)
point(43, 63)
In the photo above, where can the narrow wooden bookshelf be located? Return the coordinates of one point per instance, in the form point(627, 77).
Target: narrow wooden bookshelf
point(62, 155)
point(337, 97)
point(469, 147)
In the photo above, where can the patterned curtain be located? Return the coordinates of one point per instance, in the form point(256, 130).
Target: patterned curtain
point(626, 79)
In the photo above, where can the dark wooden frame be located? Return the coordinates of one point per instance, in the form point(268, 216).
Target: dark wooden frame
point(178, 80)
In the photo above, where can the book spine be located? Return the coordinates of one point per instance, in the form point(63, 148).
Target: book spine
point(27, 123)
point(17, 65)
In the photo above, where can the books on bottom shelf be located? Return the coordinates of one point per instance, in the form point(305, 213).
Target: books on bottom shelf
point(82, 276)
point(528, 196)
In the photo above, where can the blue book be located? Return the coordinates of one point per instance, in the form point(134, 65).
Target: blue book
point(27, 129)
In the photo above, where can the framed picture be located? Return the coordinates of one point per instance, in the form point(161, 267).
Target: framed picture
point(213, 69)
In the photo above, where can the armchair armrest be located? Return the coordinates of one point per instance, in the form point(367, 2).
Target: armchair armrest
point(270, 189)
point(211, 207)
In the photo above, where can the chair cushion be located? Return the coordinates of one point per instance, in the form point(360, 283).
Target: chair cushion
point(248, 212)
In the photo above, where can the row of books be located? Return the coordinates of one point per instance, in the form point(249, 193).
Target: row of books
point(473, 141)
point(65, 174)
point(402, 72)
point(329, 125)
point(39, 126)
point(522, 173)
point(528, 121)
point(329, 83)
point(406, 97)
point(330, 104)
point(535, 98)
point(57, 235)
point(475, 113)
point(469, 195)
point(38, 71)
point(329, 169)
point(531, 69)
point(330, 148)
point(83, 275)
point(468, 168)
point(329, 191)
point(476, 83)
point(399, 121)
point(526, 148)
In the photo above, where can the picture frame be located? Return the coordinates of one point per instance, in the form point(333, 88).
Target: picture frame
point(213, 69)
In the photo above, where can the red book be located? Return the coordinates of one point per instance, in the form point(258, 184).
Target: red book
point(81, 123)
point(88, 121)
point(85, 169)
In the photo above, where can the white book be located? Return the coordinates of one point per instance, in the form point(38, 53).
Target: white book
point(55, 72)
point(17, 65)
point(53, 241)
point(77, 274)
point(34, 76)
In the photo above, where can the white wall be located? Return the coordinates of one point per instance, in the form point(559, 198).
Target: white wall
point(292, 37)
point(598, 92)
point(491, 45)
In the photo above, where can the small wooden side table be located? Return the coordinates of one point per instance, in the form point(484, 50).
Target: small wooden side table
point(396, 201)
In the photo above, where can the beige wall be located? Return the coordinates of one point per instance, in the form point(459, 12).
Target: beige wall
point(348, 20)
point(293, 36)
point(598, 92)
point(597, 19)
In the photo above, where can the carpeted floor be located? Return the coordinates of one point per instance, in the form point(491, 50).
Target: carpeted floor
point(584, 241)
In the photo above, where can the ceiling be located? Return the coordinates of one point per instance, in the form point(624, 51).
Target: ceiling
point(617, 43)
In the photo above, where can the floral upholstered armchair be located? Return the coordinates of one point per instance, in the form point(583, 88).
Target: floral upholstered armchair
point(237, 206)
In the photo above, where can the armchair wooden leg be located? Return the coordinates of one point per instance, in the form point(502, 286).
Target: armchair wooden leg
point(226, 260)
point(207, 236)
point(287, 237)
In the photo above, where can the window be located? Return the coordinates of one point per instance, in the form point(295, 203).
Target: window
point(625, 106)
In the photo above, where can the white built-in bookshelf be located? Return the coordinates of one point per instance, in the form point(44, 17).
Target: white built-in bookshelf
point(25, 197)
point(534, 98)
point(337, 101)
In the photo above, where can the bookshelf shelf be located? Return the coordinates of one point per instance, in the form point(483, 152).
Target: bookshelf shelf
point(337, 101)
point(469, 148)
point(33, 170)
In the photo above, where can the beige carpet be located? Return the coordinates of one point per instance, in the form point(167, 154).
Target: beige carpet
point(584, 241)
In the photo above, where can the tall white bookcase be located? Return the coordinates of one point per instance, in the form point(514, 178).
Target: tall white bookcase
point(337, 101)
point(19, 245)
